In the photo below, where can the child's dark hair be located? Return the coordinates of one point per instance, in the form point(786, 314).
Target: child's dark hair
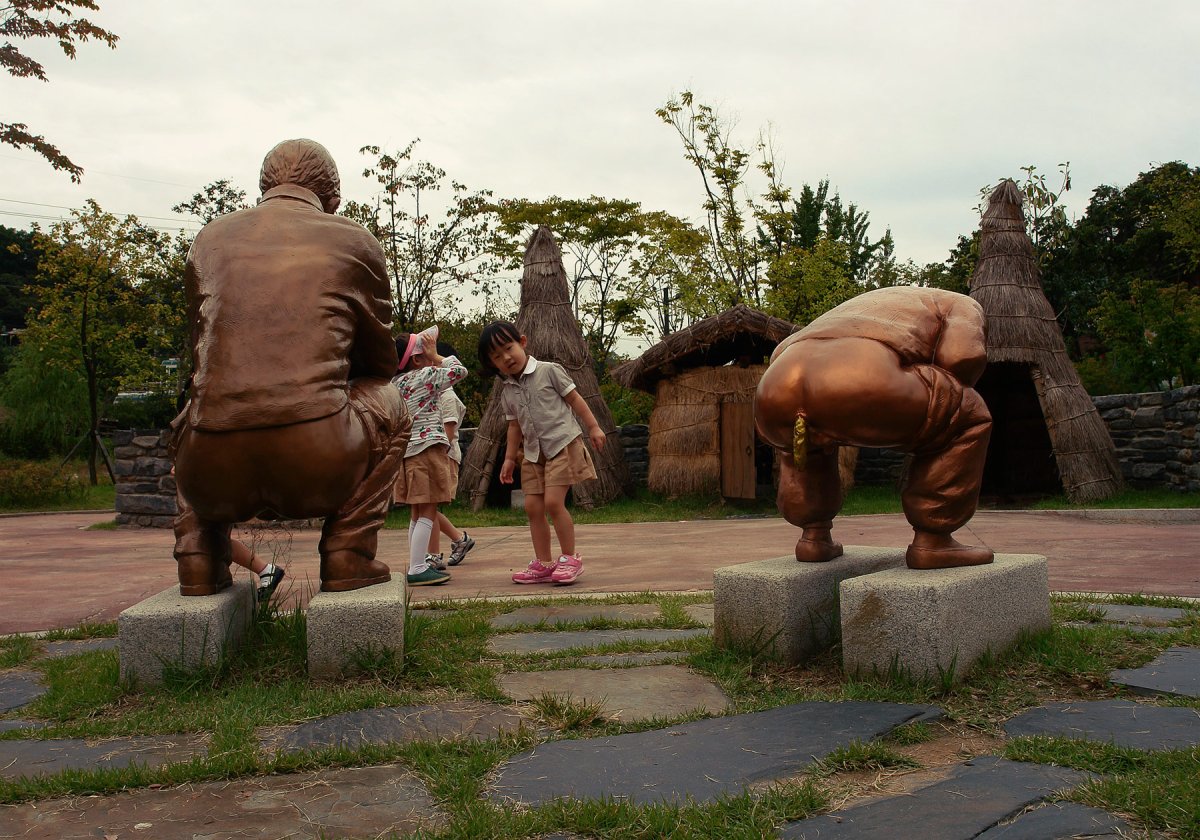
point(495, 334)
point(401, 346)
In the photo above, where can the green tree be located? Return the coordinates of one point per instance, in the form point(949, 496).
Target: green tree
point(1153, 335)
point(615, 282)
point(93, 317)
point(734, 255)
point(18, 269)
point(428, 261)
point(35, 19)
point(214, 199)
point(45, 403)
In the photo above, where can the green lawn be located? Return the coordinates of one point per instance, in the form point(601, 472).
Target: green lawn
point(447, 658)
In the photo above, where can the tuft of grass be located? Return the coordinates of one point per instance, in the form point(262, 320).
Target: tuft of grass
point(86, 630)
point(17, 650)
point(863, 755)
point(565, 713)
point(917, 732)
point(110, 525)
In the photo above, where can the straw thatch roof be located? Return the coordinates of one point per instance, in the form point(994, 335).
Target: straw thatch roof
point(1021, 328)
point(547, 319)
point(735, 333)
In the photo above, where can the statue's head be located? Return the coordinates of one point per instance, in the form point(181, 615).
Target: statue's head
point(304, 163)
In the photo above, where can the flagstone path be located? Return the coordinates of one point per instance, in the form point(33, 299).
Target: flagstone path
point(985, 797)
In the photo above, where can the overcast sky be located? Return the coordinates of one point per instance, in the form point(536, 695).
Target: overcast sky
point(908, 108)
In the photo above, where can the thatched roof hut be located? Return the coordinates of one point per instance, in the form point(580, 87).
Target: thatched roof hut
point(547, 319)
point(703, 378)
point(1046, 433)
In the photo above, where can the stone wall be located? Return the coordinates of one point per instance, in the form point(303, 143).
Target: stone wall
point(1157, 436)
point(145, 486)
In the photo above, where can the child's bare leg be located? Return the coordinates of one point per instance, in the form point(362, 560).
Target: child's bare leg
point(564, 526)
point(244, 557)
point(539, 529)
point(447, 527)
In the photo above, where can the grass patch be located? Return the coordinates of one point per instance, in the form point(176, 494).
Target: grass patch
point(1127, 498)
point(859, 755)
point(447, 658)
point(17, 650)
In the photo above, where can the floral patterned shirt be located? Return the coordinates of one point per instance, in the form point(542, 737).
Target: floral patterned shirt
point(420, 390)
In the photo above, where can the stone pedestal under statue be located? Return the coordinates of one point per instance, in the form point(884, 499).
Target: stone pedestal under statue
point(171, 631)
point(351, 629)
point(785, 609)
point(937, 624)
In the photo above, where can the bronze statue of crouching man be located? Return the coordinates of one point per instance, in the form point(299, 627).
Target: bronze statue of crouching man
point(292, 413)
point(891, 368)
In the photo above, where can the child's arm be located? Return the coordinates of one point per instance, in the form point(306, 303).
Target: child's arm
point(580, 407)
point(512, 444)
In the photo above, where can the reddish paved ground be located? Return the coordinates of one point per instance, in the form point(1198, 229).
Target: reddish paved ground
point(55, 573)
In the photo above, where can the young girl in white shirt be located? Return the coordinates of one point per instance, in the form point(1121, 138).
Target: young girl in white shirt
point(541, 405)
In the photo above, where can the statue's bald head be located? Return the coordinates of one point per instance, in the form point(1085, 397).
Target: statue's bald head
point(305, 163)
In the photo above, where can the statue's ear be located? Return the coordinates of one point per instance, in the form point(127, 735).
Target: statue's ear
point(332, 204)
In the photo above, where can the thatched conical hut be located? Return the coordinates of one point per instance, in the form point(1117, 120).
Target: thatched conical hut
point(546, 318)
point(703, 378)
point(1046, 433)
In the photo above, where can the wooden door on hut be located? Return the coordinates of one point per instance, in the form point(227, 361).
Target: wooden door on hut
point(738, 475)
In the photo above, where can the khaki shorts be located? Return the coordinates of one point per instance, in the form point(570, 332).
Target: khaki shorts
point(570, 466)
point(425, 477)
point(453, 477)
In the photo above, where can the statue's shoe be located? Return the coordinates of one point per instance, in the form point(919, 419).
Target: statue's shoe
point(946, 553)
point(817, 551)
point(343, 571)
point(199, 574)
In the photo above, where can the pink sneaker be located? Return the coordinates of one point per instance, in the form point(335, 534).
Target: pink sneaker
point(570, 566)
point(536, 572)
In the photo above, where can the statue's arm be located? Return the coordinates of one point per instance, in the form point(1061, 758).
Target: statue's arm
point(962, 346)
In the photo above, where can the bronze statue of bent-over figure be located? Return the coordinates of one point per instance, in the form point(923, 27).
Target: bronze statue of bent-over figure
point(891, 368)
point(291, 414)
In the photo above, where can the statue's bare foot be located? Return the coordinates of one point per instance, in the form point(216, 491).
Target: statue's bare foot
point(941, 551)
point(200, 574)
point(817, 546)
point(342, 571)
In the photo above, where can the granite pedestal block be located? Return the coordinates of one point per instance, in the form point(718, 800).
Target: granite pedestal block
point(346, 629)
point(170, 630)
point(930, 623)
point(786, 608)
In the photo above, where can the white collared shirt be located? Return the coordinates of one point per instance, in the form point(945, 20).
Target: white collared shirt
point(536, 399)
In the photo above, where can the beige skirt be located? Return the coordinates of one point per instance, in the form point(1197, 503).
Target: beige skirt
point(570, 466)
point(426, 477)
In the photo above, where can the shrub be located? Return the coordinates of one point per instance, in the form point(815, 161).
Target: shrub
point(30, 484)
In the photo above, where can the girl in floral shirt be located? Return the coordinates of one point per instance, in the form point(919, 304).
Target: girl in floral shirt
point(425, 480)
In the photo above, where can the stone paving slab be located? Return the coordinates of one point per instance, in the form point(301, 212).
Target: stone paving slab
point(73, 647)
point(1120, 722)
point(31, 757)
point(701, 613)
point(1138, 614)
point(576, 613)
point(627, 694)
point(396, 725)
point(981, 793)
point(19, 688)
point(10, 725)
point(1156, 629)
point(355, 802)
point(1175, 671)
point(619, 660)
point(1061, 821)
point(700, 760)
point(550, 642)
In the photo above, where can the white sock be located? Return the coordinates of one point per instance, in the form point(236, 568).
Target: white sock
point(418, 546)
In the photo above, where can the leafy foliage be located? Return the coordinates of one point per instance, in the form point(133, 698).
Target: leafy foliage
point(427, 261)
point(34, 19)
